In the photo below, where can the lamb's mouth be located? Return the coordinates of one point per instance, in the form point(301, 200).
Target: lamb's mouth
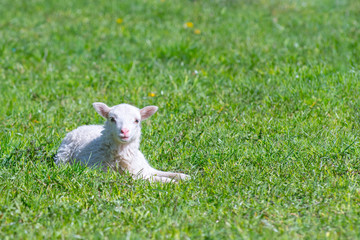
point(124, 138)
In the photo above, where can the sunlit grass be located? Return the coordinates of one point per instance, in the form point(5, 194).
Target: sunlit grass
point(258, 102)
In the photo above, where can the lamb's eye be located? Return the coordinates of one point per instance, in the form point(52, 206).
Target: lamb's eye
point(112, 119)
point(137, 121)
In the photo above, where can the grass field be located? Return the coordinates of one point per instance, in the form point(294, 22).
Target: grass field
point(258, 101)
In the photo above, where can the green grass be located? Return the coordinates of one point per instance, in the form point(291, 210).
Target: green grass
point(261, 109)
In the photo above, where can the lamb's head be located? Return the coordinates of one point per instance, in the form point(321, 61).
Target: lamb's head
point(123, 120)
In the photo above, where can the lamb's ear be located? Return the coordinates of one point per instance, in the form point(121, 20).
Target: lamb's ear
point(101, 109)
point(148, 111)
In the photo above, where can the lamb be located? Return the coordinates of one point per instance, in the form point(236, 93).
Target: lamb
point(115, 145)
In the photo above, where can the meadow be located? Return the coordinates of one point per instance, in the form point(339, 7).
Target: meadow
point(258, 101)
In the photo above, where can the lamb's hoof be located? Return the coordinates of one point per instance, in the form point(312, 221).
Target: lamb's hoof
point(184, 176)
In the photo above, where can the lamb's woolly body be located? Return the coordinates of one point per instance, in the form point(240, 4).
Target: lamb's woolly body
point(99, 146)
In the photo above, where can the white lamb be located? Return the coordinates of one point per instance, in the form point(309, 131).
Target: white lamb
point(114, 145)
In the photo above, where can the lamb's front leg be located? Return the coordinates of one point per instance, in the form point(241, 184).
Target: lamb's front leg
point(152, 178)
point(142, 168)
point(171, 175)
point(159, 176)
point(160, 179)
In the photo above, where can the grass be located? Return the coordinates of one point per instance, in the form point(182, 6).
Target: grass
point(258, 101)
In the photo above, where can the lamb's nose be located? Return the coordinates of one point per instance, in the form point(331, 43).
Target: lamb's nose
point(124, 131)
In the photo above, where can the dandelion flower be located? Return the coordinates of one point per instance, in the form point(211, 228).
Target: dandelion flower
point(197, 31)
point(152, 94)
point(119, 20)
point(189, 25)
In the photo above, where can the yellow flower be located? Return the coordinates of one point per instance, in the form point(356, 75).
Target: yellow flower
point(119, 20)
point(197, 31)
point(189, 25)
point(152, 94)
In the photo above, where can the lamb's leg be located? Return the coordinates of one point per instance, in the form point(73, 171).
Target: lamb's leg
point(154, 178)
point(161, 179)
point(177, 176)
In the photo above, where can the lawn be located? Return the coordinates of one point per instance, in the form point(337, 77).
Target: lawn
point(258, 101)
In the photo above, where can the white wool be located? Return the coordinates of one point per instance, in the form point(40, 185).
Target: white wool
point(114, 145)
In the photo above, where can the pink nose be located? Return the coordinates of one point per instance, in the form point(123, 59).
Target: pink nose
point(124, 131)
